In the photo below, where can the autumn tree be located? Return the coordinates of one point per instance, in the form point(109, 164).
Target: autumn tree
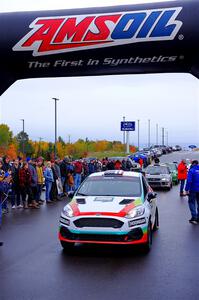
point(24, 143)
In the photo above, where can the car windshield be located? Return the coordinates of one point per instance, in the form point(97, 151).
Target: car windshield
point(157, 170)
point(111, 186)
point(172, 167)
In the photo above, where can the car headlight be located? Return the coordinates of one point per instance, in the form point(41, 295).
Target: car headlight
point(165, 179)
point(136, 212)
point(67, 211)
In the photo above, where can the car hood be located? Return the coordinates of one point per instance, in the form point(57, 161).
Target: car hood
point(104, 205)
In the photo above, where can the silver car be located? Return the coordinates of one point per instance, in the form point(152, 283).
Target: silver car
point(159, 176)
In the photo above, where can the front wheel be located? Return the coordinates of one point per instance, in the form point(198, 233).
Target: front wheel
point(156, 224)
point(147, 246)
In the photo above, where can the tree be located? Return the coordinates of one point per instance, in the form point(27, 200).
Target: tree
point(23, 141)
point(5, 135)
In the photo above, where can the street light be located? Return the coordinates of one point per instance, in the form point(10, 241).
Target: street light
point(23, 137)
point(156, 134)
point(55, 147)
point(149, 133)
point(138, 134)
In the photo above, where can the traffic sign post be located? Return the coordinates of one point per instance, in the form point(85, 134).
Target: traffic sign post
point(127, 126)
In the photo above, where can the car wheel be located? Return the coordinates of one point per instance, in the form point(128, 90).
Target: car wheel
point(68, 247)
point(156, 224)
point(147, 246)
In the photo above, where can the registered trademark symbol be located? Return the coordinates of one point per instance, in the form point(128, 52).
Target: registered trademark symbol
point(181, 37)
point(181, 57)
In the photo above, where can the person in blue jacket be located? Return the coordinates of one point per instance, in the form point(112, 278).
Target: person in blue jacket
point(192, 190)
point(4, 187)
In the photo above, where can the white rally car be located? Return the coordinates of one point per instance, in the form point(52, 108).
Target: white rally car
point(111, 207)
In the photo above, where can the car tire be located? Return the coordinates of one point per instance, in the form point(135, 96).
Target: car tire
point(147, 246)
point(67, 247)
point(156, 223)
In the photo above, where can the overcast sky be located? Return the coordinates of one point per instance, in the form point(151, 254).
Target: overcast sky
point(93, 107)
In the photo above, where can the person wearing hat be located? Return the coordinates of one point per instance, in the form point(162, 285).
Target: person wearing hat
point(192, 190)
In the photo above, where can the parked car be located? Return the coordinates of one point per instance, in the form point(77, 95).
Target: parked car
point(159, 176)
point(174, 172)
point(111, 207)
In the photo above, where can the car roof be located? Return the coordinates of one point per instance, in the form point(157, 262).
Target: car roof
point(116, 173)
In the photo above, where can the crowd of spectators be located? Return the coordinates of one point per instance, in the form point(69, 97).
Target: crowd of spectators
point(22, 182)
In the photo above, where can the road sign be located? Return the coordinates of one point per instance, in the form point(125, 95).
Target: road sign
point(128, 126)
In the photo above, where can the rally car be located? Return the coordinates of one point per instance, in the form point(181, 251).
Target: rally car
point(111, 207)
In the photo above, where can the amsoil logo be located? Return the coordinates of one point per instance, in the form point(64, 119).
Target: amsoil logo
point(53, 35)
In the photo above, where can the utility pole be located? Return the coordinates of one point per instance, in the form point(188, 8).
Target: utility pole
point(149, 133)
point(124, 132)
point(156, 134)
point(23, 130)
point(163, 136)
point(138, 134)
point(55, 147)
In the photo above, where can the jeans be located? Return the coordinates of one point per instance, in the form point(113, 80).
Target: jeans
point(48, 189)
point(78, 178)
point(182, 183)
point(39, 190)
point(194, 204)
point(15, 195)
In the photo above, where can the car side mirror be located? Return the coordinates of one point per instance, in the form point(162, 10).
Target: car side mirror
point(151, 196)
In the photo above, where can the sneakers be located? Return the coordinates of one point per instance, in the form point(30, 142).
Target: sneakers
point(183, 194)
point(19, 206)
point(13, 207)
point(1, 244)
point(193, 221)
point(49, 201)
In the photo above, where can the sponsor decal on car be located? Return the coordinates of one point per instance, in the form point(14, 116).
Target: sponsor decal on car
point(59, 34)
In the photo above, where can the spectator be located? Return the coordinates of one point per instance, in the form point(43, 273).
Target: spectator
point(6, 164)
point(78, 168)
point(118, 165)
point(48, 175)
point(64, 172)
point(25, 183)
point(110, 165)
point(182, 175)
point(91, 167)
point(192, 189)
point(58, 172)
point(33, 186)
point(40, 180)
point(141, 162)
point(54, 191)
point(15, 196)
point(4, 187)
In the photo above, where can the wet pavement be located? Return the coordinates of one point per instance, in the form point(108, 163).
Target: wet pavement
point(33, 265)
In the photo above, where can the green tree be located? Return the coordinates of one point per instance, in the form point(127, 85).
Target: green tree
point(5, 135)
point(24, 143)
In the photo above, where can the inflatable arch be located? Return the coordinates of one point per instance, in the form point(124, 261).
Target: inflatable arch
point(130, 39)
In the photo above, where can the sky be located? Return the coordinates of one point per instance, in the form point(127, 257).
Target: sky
point(93, 107)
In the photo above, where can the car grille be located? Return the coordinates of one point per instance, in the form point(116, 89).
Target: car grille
point(154, 179)
point(133, 235)
point(98, 222)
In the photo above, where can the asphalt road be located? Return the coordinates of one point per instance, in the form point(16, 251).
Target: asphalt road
point(33, 265)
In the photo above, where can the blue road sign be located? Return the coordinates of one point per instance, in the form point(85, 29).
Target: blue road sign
point(128, 126)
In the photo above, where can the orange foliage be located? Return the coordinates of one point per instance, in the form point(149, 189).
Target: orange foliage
point(132, 149)
point(12, 151)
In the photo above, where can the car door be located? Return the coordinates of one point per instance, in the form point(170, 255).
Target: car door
point(153, 203)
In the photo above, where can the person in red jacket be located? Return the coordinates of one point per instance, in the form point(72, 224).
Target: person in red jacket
point(182, 176)
point(118, 165)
